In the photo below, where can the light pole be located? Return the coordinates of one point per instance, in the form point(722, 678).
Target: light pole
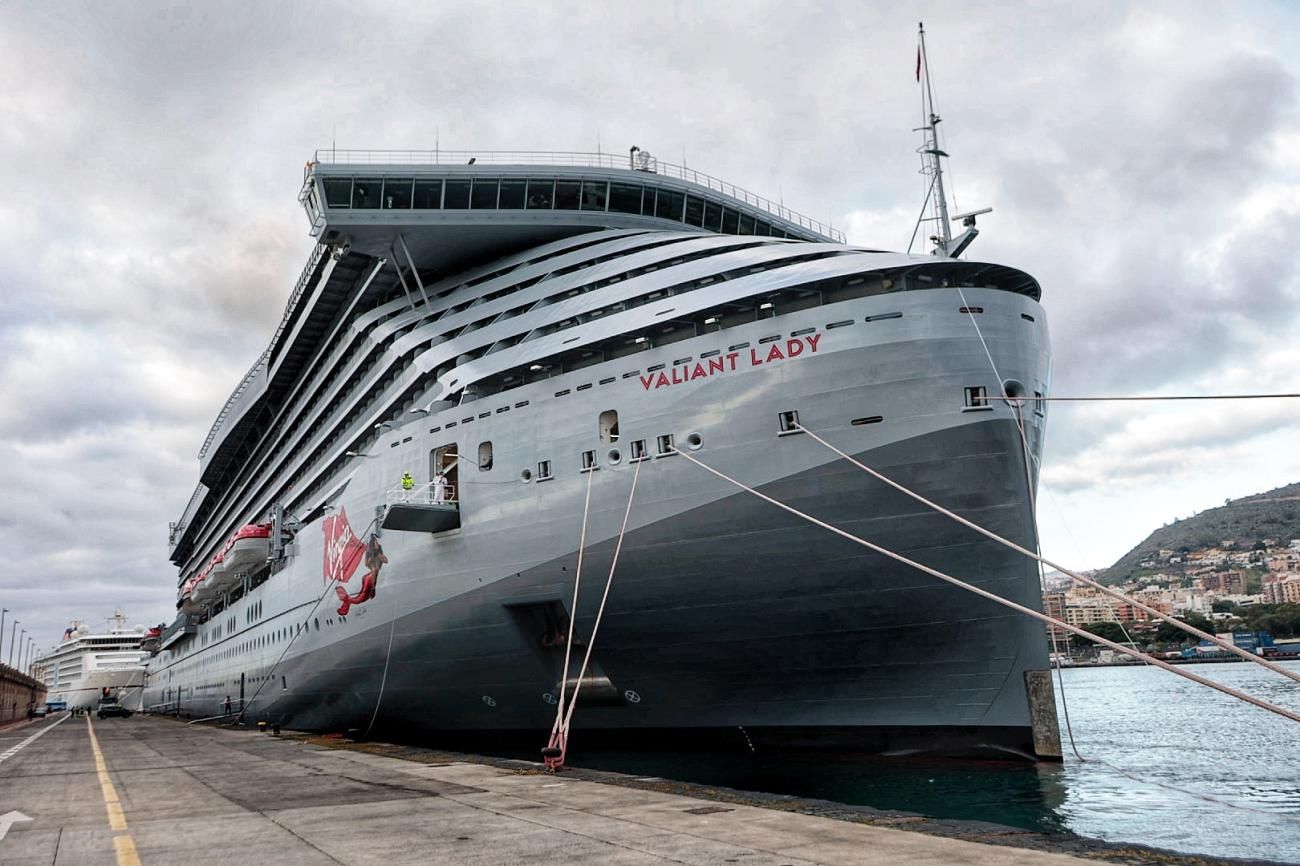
point(21, 638)
point(13, 634)
point(3, 612)
point(27, 662)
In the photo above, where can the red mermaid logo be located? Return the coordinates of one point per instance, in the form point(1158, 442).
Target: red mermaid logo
point(343, 553)
point(375, 560)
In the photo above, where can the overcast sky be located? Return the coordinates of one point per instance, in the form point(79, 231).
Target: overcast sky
point(1143, 161)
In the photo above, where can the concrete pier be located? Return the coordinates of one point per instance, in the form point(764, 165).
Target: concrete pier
point(152, 790)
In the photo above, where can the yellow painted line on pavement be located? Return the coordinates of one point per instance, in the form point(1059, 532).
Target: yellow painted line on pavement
point(123, 844)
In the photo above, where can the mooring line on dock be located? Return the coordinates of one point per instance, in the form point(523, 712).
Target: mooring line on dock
point(555, 741)
point(123, 844)
point(994, 597)
point(557, 748)
point(1086, 581)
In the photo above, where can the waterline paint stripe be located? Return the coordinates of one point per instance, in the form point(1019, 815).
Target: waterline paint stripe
point(123, 844)
point(13, 750)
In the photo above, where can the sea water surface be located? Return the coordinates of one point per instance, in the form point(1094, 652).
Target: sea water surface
point(1165, 762)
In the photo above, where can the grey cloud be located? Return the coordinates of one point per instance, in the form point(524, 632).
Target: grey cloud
point(149, 233)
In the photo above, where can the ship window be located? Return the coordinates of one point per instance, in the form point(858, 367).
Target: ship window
point(568, 193)
point(513, 194)
point(665, 444)
point(871, 419)
point(397, 193)
point(729, 218)
point(428, 195)
point(670, 205)
point(1038, 402)
point(609, 426)
point(762, 228)
point(456, 195)
point(365, 192)
point(713, 216)
point(648, 206)
point(485, 195)
point(543, 470)
point(639, 450)
point(977, 397)
point(484, 456)
point(541, 194)
point(588, 460)
point(594, 193)
point(338, 191)
point(625, 198)
point(789, 421)
point(694, 211)
point(746, 224)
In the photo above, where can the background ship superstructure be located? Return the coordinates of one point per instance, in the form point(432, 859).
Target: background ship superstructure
point(531, 324)
point(85, 662)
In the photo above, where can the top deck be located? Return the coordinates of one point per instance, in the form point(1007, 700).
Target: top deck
point(363, 196)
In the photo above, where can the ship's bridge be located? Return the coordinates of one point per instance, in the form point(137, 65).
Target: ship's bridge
point(451, 207)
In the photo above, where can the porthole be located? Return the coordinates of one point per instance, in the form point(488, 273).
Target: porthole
point(614, 456)
point(526, 476)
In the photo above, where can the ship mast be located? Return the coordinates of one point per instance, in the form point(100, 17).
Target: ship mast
point(944, 243)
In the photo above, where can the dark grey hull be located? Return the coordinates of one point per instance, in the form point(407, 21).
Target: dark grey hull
point(731, 616)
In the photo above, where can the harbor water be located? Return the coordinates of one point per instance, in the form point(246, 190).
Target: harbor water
point(1166, 763)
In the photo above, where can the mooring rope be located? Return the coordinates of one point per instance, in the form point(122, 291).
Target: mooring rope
point(994, 597)
point(573, 612)
point(1174, 621)
point(560, 739)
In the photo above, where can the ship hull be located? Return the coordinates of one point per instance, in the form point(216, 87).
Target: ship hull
point(728, 620)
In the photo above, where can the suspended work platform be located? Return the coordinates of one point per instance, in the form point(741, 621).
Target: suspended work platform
point(422, 508)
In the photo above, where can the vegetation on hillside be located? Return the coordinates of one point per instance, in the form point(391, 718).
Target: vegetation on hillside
point(1246, 522)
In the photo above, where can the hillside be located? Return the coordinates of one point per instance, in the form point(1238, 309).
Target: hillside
point(1274, 514)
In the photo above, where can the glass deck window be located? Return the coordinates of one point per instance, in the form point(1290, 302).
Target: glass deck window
point(456, 195)
point(484, 196)
point(713, 216)
point(625, 198)
point(669, 205)
point(365, 192)
point(428, 195)
point(729, 218)
point(746, 224)
point(568, 193)
point(338, 191)
point(513, 194)
point(762, 228)
point(694, 211)
point(541, 194)
point(397, 193)
point(594, 194)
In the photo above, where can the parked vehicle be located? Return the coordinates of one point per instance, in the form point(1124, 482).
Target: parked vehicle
point(110, 707)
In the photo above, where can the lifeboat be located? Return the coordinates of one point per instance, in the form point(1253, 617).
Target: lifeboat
point(202, 588)
point(247, 549)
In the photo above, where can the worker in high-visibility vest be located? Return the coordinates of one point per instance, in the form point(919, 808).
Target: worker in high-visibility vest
point(408, 483)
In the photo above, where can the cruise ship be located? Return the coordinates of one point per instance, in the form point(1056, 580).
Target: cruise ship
point(85, 665)
point(482, 354)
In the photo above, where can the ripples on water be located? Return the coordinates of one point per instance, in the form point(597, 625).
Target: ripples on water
point(1146, 721)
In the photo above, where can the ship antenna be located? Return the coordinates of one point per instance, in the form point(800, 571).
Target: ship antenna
point(944, 243)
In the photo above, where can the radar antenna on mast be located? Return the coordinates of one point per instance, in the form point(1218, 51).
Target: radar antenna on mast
point(944, 242)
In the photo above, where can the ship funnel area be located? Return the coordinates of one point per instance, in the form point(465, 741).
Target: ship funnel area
point(935, 207)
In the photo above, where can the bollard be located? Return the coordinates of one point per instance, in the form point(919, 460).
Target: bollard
point(261, 726)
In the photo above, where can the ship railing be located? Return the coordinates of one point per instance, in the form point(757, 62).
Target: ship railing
point(422, 494)
point(641, 161)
